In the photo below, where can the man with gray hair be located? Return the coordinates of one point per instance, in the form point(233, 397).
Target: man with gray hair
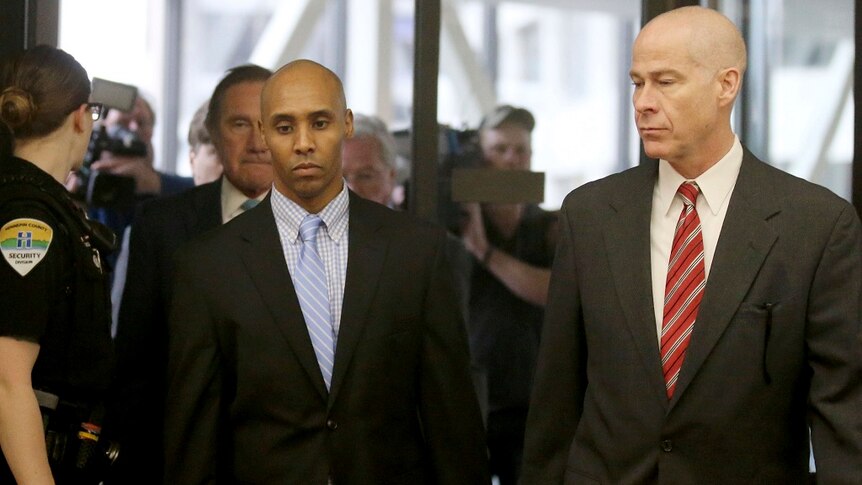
point(369, 160)
point(161, 227)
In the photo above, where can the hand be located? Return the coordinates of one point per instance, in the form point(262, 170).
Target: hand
point(473, 232)
point(147, 180)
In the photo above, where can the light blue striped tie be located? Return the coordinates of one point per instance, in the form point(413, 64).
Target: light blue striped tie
point(313, 294)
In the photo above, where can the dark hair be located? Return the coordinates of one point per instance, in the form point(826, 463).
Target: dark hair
point(38, 89)
point(237, 75)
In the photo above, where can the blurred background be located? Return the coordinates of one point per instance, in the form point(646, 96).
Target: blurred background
point(565, 60)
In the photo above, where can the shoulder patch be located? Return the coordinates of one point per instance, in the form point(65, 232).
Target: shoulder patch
point(24, 242)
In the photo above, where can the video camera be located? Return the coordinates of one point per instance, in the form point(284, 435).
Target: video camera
point(99, 189)
point(462, 177)
point(461, 150)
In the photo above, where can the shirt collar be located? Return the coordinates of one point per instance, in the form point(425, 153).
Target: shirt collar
point(334, 215)
point(232, 198)
point(715, 184)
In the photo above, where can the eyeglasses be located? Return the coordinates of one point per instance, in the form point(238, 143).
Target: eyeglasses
point(364, 176)
point(96, 110)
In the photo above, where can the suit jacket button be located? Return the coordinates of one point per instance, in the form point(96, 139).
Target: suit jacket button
point(667, 445)
point(331, 424)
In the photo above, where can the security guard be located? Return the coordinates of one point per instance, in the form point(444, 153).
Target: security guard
point(55, 344)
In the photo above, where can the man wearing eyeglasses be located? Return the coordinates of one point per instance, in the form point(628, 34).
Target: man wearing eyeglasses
point(369, 160)
point(97, 110)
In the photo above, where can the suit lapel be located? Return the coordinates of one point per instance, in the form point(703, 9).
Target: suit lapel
point(745, 240)
point(627, 240)
point(264, 259)
point(365, 257)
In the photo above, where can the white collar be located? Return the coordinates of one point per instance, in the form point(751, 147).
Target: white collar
point(232, 199)
point(715, 184)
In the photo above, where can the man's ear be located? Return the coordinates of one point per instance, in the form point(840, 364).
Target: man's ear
point(79, 118)
point(348, 123)
point(730, 82)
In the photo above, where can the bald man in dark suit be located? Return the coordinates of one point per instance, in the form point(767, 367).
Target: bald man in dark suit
point(316, 338)
point(704, 307)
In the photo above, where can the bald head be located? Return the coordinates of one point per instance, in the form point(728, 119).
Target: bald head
point(713, 40)
point(687, 67)
point(307, 71)
point(304, 121)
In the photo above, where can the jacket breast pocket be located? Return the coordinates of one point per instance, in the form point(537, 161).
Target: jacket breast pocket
point(755, 324)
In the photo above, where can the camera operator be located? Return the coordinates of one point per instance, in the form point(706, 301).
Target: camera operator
point(513, 245)
point(140, 121)
point(55, 347)
point(148, 182)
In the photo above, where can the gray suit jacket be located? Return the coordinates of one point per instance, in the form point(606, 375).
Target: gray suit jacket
point(776, 346)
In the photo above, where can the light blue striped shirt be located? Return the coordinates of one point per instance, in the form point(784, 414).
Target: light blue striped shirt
point(331, 242)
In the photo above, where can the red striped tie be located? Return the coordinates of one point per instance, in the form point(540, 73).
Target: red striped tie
point(683, 291)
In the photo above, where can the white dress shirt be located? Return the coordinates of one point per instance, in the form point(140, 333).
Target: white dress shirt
point(716, 186)
point(232, 199)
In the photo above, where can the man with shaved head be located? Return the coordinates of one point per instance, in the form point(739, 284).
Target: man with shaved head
point(317, 338)
point(705, 308)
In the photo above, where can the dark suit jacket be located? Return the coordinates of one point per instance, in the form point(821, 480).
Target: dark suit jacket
point(776, 345)
point(137, 403)
point(246, 400)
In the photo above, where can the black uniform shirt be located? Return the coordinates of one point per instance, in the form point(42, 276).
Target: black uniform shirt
point(52, 289)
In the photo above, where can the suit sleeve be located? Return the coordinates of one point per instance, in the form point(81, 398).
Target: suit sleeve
point(834, 341)
point(138, 390)
point(174, 184)
point(194, 428)
point(560, 382)
point(449, 410)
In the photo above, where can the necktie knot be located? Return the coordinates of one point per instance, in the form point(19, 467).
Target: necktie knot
point(308, 228)
point(688, 191)
point(248, 204)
